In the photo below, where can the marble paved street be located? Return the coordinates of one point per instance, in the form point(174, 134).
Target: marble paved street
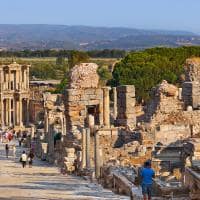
point(45, 182)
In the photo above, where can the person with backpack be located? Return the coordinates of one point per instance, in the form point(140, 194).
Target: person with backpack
point(23, 159)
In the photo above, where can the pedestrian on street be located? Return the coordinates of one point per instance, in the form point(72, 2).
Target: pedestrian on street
point(20, 141)
point(147, 175)
point(14, 151)
point(7, 150)
point(23, 159)
point(30, 158)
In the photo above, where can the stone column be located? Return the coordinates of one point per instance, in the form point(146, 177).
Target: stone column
point(27, 112)
point(106, 106)
point(14, 111)
point(180, 93)
point(20, 112)
point(2, 113)
point(2, 81)
point(46, 121)
point(7, 112)
point(27, 76)
point(83, 162)
point(17, 112)
point(101, 113)
point(87, 148)
point(17, 79)
point(115, 102)
point(10, 112)
point(97, 155)
point(24, 79)
point(9, 85)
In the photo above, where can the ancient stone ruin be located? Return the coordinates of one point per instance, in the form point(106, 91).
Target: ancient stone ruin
point(90, 134)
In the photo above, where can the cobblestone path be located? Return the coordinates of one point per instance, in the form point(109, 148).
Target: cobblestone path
point(45, 182)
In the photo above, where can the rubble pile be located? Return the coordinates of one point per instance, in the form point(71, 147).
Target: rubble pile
point(167, 89)
point(84, 75)
point(176, 118)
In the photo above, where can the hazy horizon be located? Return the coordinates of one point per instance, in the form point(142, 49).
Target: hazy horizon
point(178, 15)
point(96, 26)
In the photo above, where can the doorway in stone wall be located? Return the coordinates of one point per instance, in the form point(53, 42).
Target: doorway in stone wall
point(94, 110)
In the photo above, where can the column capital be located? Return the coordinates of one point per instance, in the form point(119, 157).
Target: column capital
point(106, 88)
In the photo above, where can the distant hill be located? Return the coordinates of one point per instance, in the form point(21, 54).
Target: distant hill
point(35, 37)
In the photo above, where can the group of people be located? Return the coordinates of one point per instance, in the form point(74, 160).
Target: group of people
point(24, 158)
point(27, 158)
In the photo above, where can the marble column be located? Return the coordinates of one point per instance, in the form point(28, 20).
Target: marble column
point(115, 102)
point(24, 83)
point(106, 106)
point(83, 162)
point(9, 85)
point(27, 112)
point(46, 121)
point(14, 111)
point(20, 112)
point(27, 78)
point(88, 148)
point(97, 155)
point(2, 113)
point(180, 93)
point(2, 81)
point(9, 112)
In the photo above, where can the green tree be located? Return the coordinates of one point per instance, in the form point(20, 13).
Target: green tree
point(104, 74)
point(76, 57)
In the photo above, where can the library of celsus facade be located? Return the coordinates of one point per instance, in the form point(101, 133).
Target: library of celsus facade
point(14, 95)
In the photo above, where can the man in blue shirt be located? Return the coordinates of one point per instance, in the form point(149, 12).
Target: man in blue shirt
point(147, 175)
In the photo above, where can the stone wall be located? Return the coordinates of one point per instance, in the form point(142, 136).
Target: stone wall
point(192, 70)
point(191, 94)
point(77, 101)
point(126, 106)
point(169, 133)
point(164, 102)
point(191, 86)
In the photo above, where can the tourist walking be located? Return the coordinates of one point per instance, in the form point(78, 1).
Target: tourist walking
point(7, 150)
point(23, 159)
point(30, 158)
point(20, 141)
point(147, 175)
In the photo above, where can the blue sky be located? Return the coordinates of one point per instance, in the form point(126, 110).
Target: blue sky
point(147, 14)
